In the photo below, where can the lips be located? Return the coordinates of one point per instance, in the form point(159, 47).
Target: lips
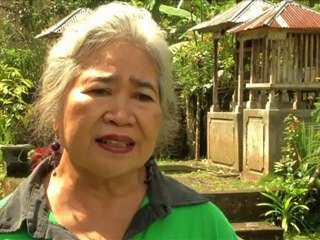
point(116, 143)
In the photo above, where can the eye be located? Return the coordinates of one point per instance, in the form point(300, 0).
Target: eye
point(144, 97)
point(100, 91)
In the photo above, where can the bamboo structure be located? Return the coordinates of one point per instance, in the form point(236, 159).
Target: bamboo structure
point(278, 65)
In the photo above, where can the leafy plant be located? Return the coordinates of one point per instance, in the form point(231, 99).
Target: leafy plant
point(285, 209)
point(297, 174)
point(14, 89)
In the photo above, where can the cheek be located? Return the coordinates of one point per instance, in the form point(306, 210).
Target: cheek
point(76, 111)
point(77, 103)
point(155, 123)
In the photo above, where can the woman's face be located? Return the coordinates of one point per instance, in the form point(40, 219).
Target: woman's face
point(112, 113)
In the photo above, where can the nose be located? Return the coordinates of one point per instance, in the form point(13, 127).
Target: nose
point(119, 112)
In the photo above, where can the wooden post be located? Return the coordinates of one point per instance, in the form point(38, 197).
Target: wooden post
point(262, 59)
point(285, 61)
point(297, 100)
point(240, 79)
point(253, 75)
point(272, 104)
point(258, 61)
point(289, 60)
point(252, 103)
point(311, 52)
point(301, 65)
point(317, 55)
point(235, 77)
point(296, 58)
point(279, 47)
point(273, 62)
point(306, 50)
point(266, 61)
point(215, 102)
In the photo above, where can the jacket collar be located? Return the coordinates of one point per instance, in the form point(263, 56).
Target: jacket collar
point(164, 193)
point(27, 205)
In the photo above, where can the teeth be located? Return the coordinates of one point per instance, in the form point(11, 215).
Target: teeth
point(115, 143)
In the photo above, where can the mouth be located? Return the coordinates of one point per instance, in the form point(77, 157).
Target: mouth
point(116, 143)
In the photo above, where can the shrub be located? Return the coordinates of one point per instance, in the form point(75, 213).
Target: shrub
point(14, 89)
point(297, 174)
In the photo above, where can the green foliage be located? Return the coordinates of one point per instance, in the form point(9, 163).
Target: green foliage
point(295, 171)
point(14, 89)
point(27, 60)
point(226, 51)
point(21, 21)
point(192, 66)
point(316, 112)
point(291, 151)
point(172, 11)
point(285, 209)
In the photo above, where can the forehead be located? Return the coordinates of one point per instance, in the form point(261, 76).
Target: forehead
point(120, 60)
point(118, 52)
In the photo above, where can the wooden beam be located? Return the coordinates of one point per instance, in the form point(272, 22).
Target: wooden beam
point(266, 61)
point(311, 59)
point(296, 58)
point(252, 64)
point(293, 86)
point(285, 61)
point(215, 102)
point(275, 60)
point(289, 59)
point(317, 55)
point(306, 50)
point(263, 52)
point(239, 106)
point(258, 61)
point(279, 60)
point(301, 58)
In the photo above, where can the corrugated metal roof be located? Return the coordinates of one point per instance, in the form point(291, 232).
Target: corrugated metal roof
point(239, 13)
point(58, 28)
point(287, 14)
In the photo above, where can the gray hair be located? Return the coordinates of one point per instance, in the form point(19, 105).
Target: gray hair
point(106, 24)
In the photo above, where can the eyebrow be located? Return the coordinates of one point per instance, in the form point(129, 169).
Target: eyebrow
point(143, 84)
point(136, 81)
point(108, 78)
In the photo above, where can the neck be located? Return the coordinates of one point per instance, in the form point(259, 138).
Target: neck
point(72, 184)
point(80, 200)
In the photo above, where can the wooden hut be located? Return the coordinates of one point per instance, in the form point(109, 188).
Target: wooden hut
point(224, 129)
point(284, 47)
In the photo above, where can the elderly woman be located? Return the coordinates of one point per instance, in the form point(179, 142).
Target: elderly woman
point(105, 95)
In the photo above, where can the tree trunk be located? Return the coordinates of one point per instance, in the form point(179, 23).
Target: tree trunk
point(198, 125)
point(189, 130)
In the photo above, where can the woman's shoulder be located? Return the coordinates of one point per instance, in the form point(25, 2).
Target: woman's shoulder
point(21, 234)
point(182, 195)
point(198, 221)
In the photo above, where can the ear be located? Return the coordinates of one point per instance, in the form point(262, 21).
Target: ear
point(55, 125)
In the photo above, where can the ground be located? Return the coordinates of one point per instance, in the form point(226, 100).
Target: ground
point(202, 177)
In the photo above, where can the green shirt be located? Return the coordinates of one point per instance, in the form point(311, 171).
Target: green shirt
point(170, 210)
point(203, 221)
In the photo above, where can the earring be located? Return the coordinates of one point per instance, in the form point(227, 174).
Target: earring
point(55, 147)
